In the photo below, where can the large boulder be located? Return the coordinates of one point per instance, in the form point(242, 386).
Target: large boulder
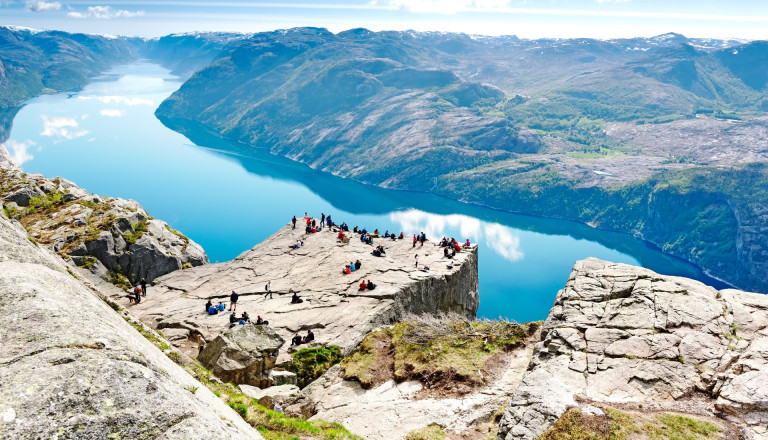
point(244, 354)
point(268, 396)
point(73, 368)
point(624, 334)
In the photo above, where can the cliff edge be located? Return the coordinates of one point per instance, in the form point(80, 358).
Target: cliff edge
point(624, 335)
point(334, 307)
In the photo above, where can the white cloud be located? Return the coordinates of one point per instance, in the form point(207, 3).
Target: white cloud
point(20, 150)
point(443, 6)
point(112, 112)
point(497, 237)
point(104, 12)
point(42, 6)
point(58, 127)
point(119, 100)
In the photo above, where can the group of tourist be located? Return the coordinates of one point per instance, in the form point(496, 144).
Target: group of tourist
point(351, 267)
point(139, 290)
point(298, 340)
point(367, 286)
point(419, 238)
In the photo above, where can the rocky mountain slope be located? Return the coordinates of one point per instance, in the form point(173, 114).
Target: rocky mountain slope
point(74, 368)
point(114, 238)
point(602, 132)
point(333, 307)
point(622, 335)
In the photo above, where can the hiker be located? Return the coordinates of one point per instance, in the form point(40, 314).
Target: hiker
point(370, 285)
point(233, 320)
point(328, 221)
point(143, 283)
point(322, 218)
point(268, 289)
point(200, 343)
point(401, 236)
point(351, 267)
point(245, 317)
point(221, 306)
point(445, 252)
point(309, 338)
point(392, 236)
point(386, 233)
point(295, 299)
point(417, 260)
point(414, 240)
point(467, 244)
point(293, 220)
point(208, 305)
point(296, 340)
point(363, 286)
point(358, 265)
point(137, 294)
point(278, 407)
point(423, 238)
point(346, 270)
point(213, 310)
point(233, 300)
point(260, 321)
point(308, 229)
point(341, 235)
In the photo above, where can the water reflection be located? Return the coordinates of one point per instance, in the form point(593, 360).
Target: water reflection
point(502, 239)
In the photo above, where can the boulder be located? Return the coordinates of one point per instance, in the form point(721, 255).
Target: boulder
point(22, 196)
point(268, 396)
point(624, 334)
point(244, 354)
point(74, 368)
point(280, 377)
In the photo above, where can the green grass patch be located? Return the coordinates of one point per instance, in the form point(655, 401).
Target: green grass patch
point(433, 349)
point(574, 425)
point(310, 363)
point(431, 432)
point(676, 427)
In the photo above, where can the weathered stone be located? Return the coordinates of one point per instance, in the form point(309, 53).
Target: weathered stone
point(268, 396)
point(22, 196)
point(281, 377)
point(649, 338)
point(73, 368)
point(245, 354)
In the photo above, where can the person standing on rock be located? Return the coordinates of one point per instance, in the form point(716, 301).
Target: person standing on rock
point(143, 287)
point(322, 218)
point(268, 289)
point(200, 343)
point(293, 220)
point(417, 260)
point(233, 301)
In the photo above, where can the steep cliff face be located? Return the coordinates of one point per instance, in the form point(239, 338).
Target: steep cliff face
point(333, 306)
point(623, 334)
point(72, 367)
point(114, 238)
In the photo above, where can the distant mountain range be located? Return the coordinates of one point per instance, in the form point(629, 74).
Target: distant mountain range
point(663, 137)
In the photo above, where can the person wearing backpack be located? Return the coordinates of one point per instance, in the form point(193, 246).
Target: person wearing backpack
point(268, 289)
point(233, 301)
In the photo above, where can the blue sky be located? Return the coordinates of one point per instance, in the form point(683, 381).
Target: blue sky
point(746, 19)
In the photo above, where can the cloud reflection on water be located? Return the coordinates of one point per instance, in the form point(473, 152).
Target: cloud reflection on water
point(498, 237)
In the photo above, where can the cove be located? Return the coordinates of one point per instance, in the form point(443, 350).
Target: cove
point(229, 197)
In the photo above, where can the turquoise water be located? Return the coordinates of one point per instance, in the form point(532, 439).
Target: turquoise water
point(106, 139)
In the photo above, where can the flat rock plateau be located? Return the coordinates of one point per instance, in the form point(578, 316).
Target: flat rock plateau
point(334, 308)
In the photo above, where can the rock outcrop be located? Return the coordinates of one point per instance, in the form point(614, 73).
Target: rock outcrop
point(244, 354)
point(115, 238)
point(623, 334)
point(73, 368)
point(334, 307)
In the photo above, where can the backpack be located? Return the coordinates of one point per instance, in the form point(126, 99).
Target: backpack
point(266, 287)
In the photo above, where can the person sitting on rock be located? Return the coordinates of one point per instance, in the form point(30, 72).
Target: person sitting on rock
point(445, 252)
point(232, 320)
point(370, 285)
point(346, 270)
point(208, 305)
point(213, 310)
point(467, 244)
point(392, 236)
point(245, 317)
point(260, 321)
point(309, 338)
point(376, 232)
point(401, 236)
point(386, 233)
point(295, 299)
point(358, 265)
point(376, 253)
point(363, 286)
point(221, 306)
point(308, 229)
point(296, 340)
point(278, 407)
point(351, 266)
point(341, 236)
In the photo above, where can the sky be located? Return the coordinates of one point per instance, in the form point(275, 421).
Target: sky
point(722, 19)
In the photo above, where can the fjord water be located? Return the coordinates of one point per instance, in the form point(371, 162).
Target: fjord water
point(228, 198)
